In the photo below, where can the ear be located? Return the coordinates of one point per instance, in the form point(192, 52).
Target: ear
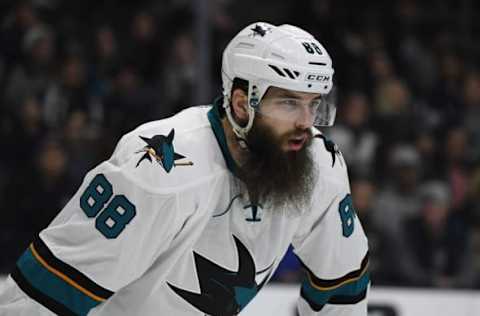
point(239, 105)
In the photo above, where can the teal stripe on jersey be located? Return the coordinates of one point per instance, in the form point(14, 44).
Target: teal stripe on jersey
point(351, 289)
point(52, 286)
point(216, 123)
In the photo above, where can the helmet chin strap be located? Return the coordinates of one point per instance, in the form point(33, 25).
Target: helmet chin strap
point(239, 131)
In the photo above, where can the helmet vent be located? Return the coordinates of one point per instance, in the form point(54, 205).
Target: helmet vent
point(277, 70)
point(318, 64)
point(284, 72)
point(245, 45)
point(289, 73)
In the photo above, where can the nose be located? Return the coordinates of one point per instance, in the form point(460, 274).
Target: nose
point(305, 117)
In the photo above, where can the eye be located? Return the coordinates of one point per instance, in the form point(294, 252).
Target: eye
point(315, 104)
point(290, 102)
point(285, 104)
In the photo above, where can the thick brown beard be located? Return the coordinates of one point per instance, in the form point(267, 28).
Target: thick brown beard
point(275, 178)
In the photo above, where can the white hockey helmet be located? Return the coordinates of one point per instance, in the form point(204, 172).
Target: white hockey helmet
point(283, 56)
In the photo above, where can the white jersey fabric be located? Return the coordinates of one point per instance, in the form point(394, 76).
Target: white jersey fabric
point(164, 228)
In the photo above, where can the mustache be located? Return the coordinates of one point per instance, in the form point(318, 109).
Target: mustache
point(298, 133)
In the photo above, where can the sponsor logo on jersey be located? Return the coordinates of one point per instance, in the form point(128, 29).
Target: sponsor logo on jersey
point(222, 291)
point(160, 148)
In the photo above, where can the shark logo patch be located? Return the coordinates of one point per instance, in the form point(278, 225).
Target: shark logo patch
point(224, 292)
point(160, 148)
point(260, 30)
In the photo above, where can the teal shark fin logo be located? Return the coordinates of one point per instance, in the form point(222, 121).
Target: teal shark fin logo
point(160, 148)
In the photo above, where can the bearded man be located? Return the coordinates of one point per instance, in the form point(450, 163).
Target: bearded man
point(192, 214)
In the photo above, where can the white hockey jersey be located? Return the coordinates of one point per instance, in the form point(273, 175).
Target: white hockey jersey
point(164, 228)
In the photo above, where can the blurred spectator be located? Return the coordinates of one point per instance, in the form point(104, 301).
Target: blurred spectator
point(16, 24)
point(418, 64)
point(382, 256)
point(44, 187)
point(143, 48)
point(35, 73)
point(105, 57)
point(70, 93)
point(457, 163)
point(437, 243)
point(394, 119)
point(23, 135)
point(353, 134)
point(399, 197)
point(471, 100)
point(394, 111)
point(380, 69)
point(427, 146)
point(445, 96)
point(81, 145)
point(471, 206)
point(470, 212)
point(130, 102)
point(2, 73)
point(179, 74)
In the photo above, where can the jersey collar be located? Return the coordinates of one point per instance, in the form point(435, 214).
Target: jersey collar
point(216, 124)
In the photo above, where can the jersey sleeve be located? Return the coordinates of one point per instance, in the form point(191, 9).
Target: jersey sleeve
point(119, 221)
point(333, 249)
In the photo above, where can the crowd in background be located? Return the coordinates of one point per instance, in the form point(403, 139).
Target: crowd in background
point(76, 75)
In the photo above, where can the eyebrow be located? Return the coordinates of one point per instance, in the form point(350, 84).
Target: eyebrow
point(287, 94)
point(290, 95)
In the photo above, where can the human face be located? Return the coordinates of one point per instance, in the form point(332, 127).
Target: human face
point(290, 116)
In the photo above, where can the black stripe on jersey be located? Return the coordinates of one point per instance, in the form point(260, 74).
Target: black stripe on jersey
point(75, 275)
point(323, 283)
point(38, 296)
point(344, 300)
point(314, 306)
point(335, 300)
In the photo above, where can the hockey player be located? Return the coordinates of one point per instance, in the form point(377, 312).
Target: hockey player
point(192, 214)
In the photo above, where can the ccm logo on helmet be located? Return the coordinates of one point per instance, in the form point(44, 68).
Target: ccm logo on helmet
point(317, 77)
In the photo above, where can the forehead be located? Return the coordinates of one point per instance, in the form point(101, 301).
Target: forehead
point(275, 92)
